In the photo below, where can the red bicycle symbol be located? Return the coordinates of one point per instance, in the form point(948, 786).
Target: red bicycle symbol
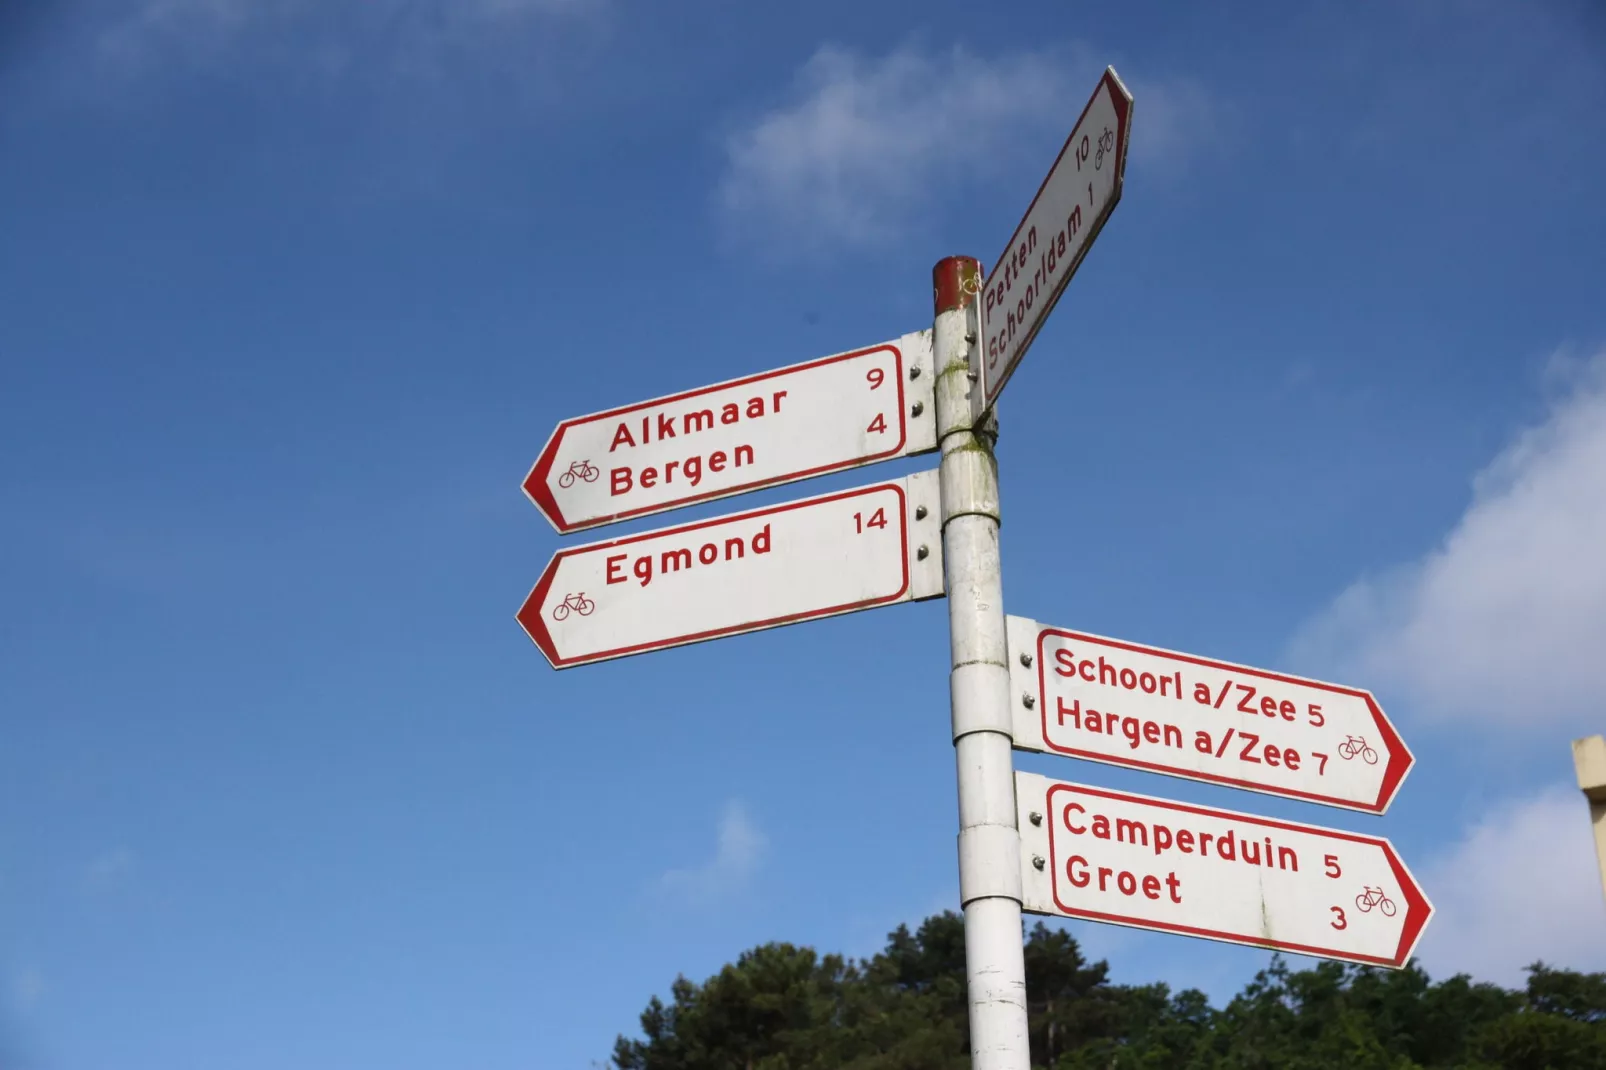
point(576, 602)
point(1357, 745)
point(1374, 897)
point(1106, 143)
point(584, 469)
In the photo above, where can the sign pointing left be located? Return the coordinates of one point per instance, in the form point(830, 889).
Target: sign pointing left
point(837, 553)
point(824, 415)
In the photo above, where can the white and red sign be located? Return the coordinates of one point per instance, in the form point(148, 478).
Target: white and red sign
point(1178, 868)
point(836, 553)
point(822, 416)
point(1147, 708)
point(1070, 208)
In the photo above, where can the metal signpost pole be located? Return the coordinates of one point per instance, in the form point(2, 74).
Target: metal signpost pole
point(989, 844)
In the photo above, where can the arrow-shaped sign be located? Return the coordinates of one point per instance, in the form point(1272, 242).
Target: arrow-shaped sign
point(1147, 708)
point(836, 553)
point(825, 415)
point(1173, 867)
point(1081, 190)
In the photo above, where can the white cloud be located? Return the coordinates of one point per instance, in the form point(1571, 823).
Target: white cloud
point(1522, 885)
point(1171, 121)
point(864, 145)
point(109, 868)
point(1505, 623)
point(27, 986)
point(330, 37)
point(740, 849)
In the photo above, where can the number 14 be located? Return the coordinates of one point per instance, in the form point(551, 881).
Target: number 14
point(878, 519)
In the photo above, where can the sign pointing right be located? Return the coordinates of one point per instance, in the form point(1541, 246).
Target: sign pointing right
point(1081, 190)
point(1174, 867)
point(1140, 706)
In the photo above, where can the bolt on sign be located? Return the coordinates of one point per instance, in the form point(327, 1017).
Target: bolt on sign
point(1146, 708)
point(818, 557)
point(1172, 867)
point(824, 415)
point(1081, 190)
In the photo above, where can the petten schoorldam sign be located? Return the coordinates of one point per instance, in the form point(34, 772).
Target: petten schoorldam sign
point(1026, 843)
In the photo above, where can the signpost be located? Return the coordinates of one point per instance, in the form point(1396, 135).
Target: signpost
point(856, 549)
point(1025, 842)
point(1147, 708)
point(1080, 192)
point(1172, 867)
point(822, 416)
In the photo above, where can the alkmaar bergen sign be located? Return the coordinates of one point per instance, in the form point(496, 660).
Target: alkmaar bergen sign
point(1081, 190)
point(1110, 701)
point(836, 553)
point(822, 416)
point(1171, 867)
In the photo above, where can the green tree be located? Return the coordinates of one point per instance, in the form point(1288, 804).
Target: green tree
point(780, 1007)
point(1559, 1025)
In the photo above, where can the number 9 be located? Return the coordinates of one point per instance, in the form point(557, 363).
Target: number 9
point(877, 376)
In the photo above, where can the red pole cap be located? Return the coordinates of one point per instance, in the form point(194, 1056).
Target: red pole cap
point(956, 279)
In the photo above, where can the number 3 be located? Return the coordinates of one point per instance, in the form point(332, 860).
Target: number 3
point(1340, 923)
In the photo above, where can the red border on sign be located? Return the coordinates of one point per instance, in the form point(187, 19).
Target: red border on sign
point(1417, 908)
point(529, 614)
point(1400, 757)
point(1121, 101)
point(539, 491)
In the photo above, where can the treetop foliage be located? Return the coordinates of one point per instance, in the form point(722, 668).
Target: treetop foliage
point(782, 1007)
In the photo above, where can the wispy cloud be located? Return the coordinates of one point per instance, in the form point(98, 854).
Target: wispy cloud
point(109, 869)
point(1505, 622)
point(27, 988)
point(1173, 121)
point(1520, 885)
point(331, 37)
point(862, 147)
point(740, 848)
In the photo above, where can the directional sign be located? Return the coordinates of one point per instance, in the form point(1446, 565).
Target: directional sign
point(1173, 867)
point(818, 557)
point(1081, 190)
point(826, 415)
point(1147, 708)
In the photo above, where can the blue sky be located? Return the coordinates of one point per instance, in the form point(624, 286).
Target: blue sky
point(292, 293)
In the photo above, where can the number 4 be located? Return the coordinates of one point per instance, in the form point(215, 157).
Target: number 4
point(878, 425)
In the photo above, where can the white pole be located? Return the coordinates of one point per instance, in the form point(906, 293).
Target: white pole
point(989, 844)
